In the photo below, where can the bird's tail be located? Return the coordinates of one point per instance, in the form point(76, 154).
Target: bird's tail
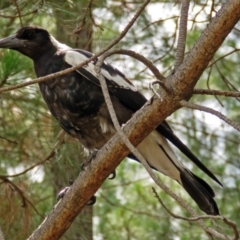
point(161, 157)
point(200, 192)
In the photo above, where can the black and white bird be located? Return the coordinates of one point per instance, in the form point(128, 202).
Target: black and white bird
point(77, 102)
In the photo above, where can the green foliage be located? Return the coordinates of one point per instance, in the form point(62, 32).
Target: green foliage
point(126, 207)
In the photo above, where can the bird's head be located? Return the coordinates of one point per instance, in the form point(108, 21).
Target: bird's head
point(31, 41)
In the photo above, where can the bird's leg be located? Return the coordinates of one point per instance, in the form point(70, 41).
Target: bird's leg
point(62, 193)
point(91, 157)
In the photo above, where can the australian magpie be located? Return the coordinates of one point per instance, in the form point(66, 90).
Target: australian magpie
point(76, 101)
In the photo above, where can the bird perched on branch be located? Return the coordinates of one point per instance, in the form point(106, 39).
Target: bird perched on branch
point(77, 102)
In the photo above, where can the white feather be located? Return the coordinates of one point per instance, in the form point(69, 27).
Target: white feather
point(59, 45)
point(156, 157)
point(74, 58)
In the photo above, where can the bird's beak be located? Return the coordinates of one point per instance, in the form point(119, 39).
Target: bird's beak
point(11, 42)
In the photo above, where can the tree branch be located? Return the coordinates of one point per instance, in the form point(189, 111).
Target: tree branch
point(141, 124)
point(193, 219)
point(69, 70)
point(182, 34)
point(212, 111)
point(216, 92)
point(49, 156)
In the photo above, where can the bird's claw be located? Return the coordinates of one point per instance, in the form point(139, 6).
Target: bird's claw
point(91, 156)
point(112, 175)
point(62, 193)
point(92, 200)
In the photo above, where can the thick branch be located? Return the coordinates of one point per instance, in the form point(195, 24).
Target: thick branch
point(141, 124)
point(204, 49)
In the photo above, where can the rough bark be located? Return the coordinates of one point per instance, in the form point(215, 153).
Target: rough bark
point(141, 124)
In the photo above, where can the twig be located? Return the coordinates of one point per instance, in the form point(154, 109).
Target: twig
point(208, 84)
point(151, 84)
point(84, 16)
point(50, 155)
point(22, 195)
point(8, 140)
point(140, 157)
point(158, 21)
point(193, 219)
point(216, 92)
point(184, 103)
point(147, 213)
point(182, 34)
point(142, 59)
point(137, 153)
point(24, 14)
point(66, 71)
point(18, 11)
point(222, 57)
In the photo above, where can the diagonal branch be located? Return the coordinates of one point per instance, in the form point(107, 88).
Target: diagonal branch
point(141, 124)
point(69, 70)
point(138, 155)
point(193, 219)
point(212, 111)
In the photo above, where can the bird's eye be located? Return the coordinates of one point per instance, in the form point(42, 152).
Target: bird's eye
point(30, 35)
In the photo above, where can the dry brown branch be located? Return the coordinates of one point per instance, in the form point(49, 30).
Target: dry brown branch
point(193, 219)
point(224, 56)
point(64, 72)
point(25, 200)
point(141, 124)
point(182, 34)
point(18, 11)
point(158, 21)
point(59, 229)
point(126, 141)
point(216, 92)
point(8, 140)
point(56, 146)
point(142, 59)
point(136, 153)
point(212, 111)
point(84, 17)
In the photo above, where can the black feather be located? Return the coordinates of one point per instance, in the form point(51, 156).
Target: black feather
point(200, 191)
point(77, 102)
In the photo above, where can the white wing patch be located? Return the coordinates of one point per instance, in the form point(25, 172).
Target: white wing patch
point(59, 45)
point(74, 58)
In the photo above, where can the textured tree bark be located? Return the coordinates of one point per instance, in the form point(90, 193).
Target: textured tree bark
point(142, 123)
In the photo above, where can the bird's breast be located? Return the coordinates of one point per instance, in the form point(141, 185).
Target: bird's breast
point(77, 104)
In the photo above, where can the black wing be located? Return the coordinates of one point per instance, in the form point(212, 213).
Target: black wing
point(124, 90)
